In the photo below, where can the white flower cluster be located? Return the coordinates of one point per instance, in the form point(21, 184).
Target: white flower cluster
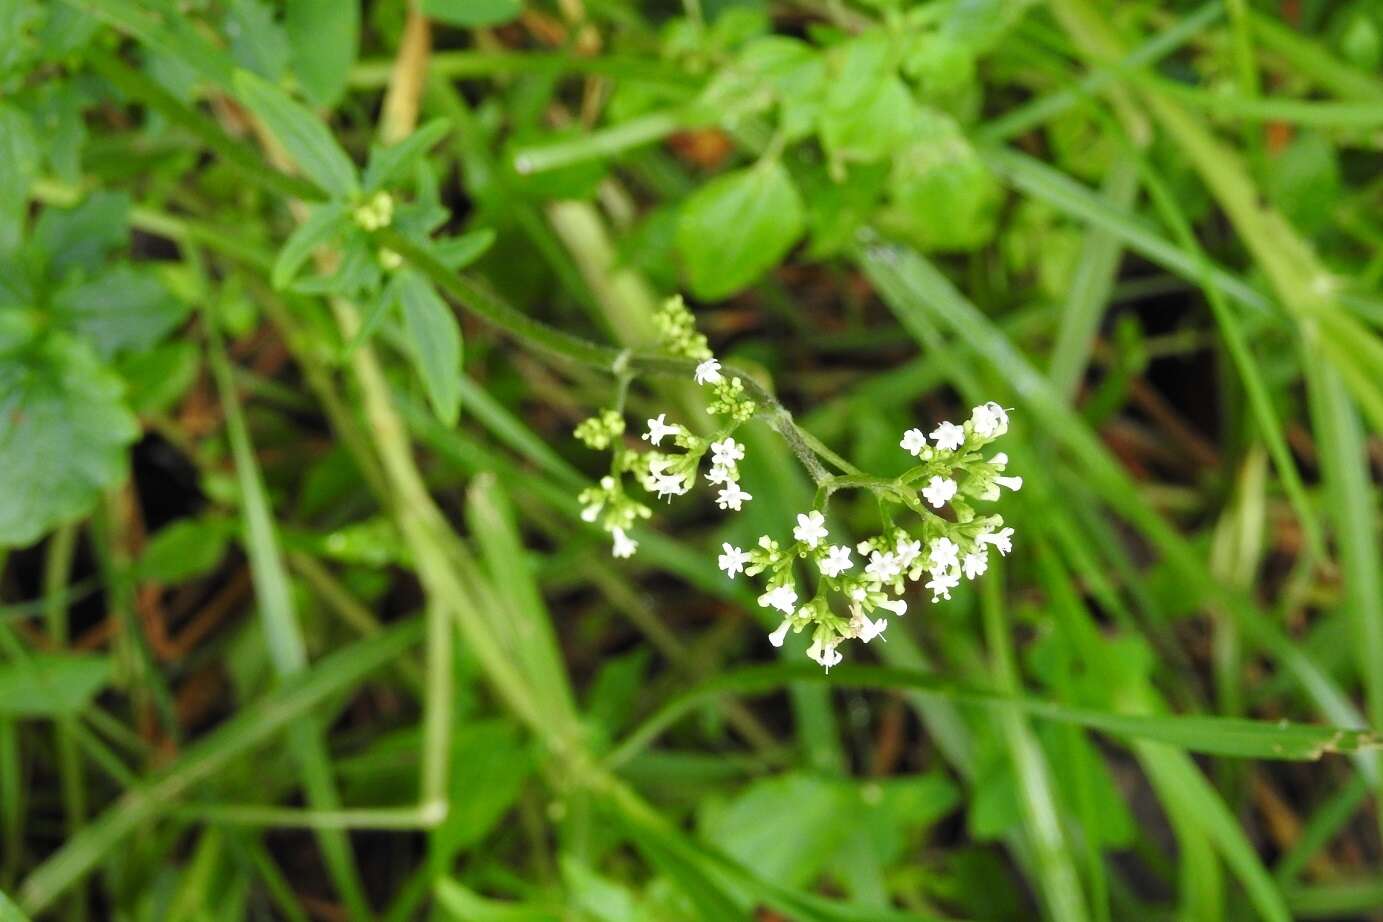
point(944, 550)
point(659, 471)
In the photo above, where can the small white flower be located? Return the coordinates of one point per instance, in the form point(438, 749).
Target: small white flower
point(867, 630)
point(1003, 541)
point(948, 436)
point(781, 632)
point(939, 491)
point(864, 547)
point(913, 442)
point(941, 584)
point(907, 552)
point(943, 554)
point(732, 497)
point(883, 566)
point(836, 561)
point(669, 485)
point(708, 372)
point(783, 598)
point(989, 420)
point(658, 428)
point(825, 653)
point(1000, 460)
point(590, 512)
point(726, 452)
point(733, 560)
point(897, 606)
point(718, 475)
point(975, 563)
point(624, 546)
point(1013, 483)
point(811, 528)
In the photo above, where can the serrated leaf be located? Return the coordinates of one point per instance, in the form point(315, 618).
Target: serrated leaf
point(301, 133)
point(51, 684)
point(125, 309)
point(388, 162)
point(64, 432)
point(325, 39)
point(434, 339)
point(471, 13)
point(323, 222)
point(738, 226)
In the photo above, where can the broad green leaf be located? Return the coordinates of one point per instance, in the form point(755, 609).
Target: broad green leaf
point(387, 163)
point(64, 432)
point(182, 550)
point(51, 684)
point(455, 902)
point(737, 227)
point(869, 112)
point(257, 42)
point(469, 13)
point(323, 223)
point(127, 309)
point(600, 897)
point(786, 828)
point(155, 379)
point(325, 37)
point(301, 133)
point(434, 338)
point(941, 195)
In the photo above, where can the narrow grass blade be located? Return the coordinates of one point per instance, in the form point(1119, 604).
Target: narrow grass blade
point(252, 726)
point(281, 630)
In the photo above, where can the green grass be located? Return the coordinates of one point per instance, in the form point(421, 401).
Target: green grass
point(326, 650)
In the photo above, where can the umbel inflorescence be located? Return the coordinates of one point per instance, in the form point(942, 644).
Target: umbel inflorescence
point(943, 542)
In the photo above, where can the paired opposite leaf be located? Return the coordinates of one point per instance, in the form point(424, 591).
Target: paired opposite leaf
point(301, 133)
point(434, 338)
point(737, 227)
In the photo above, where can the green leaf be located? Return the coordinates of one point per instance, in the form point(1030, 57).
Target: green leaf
point(157, 378)
point(19, 162)
point(600, 897)
point(435, 340)
point(51, 684)
point(10, 912)
point(325, 37)
point(82, 237)
point(182, 550)
point(456, 253)
point(738, 226)
point(941, 195)
point(468, 13)
point(301, 133)
point(323, 223)
point(257, 40)
point(63, 431)
point(869, 112)
point(386, 163)
point(124, 310)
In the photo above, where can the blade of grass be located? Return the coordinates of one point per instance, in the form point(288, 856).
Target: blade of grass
point(282, 633)
point(1091, 284)
point(252, 725)
point(1057, 878)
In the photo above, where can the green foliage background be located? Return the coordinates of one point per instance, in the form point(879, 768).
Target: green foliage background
point(300, 302)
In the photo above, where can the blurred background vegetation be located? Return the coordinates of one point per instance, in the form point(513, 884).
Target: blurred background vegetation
point(299, 619)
